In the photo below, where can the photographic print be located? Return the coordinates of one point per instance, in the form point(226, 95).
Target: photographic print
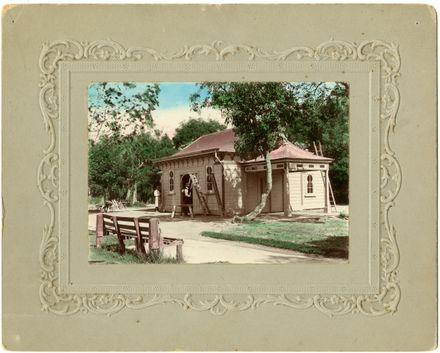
point(218, 172)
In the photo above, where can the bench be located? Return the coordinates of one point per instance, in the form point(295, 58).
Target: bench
point(182, 206)
point(141, 229)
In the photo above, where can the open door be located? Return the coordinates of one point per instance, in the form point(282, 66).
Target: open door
point(185, 181)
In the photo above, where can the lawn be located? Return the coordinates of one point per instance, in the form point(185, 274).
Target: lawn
point(108, 253)
point(328, 237)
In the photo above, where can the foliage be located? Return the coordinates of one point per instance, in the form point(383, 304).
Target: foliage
point(263, 113)
point(329, 239)
point(190, 130)
point(323, 117)
point(342, 215)
point(259, 113)
point(123, 166)
point(117, 109)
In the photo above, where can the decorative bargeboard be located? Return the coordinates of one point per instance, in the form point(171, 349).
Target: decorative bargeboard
point(54, 300)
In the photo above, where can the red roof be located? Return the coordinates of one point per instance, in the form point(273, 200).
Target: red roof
point(223, 141)
point(289, 151)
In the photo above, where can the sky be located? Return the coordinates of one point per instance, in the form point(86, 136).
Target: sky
point(174, 107)
point(174, 103)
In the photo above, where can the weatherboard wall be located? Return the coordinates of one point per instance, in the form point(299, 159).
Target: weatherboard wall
point(233, 188)
point(196, 165)
point(300, 199)
point(256, 184)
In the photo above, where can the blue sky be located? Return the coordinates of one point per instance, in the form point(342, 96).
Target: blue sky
point(174, 104)
point(172, 95)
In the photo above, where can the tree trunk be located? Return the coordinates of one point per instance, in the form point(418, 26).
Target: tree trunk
point(252, 215)
point(135, 189)
point(127, 198)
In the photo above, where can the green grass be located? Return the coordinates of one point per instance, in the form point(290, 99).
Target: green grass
point(108, 253)
point(329, 238)
point(96, 200)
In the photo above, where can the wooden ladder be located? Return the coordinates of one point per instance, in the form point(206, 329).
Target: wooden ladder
point(200, 195)
point(217, 194)
point(318, 152)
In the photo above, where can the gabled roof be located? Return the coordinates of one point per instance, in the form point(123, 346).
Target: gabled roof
point(289, 151)
point(223, 141)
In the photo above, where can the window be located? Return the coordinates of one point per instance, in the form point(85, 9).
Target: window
point(309, 184)
point(209, 179)
point(171, 181)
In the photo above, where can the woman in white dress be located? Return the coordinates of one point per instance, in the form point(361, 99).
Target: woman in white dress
point(156, 194)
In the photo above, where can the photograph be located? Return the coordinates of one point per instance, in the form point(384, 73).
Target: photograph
point(218, 172)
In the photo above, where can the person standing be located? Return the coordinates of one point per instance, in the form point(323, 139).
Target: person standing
point(187, 199)
point(156, 194)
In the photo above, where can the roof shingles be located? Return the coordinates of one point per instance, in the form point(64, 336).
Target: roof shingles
point(223, 141)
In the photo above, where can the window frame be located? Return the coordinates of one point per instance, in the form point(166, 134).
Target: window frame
point(209, 182)
point(309, 184)
point(171, 185)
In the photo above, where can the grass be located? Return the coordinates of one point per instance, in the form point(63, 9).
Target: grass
point(96, 200)
point(108, 253)
point(328, 238)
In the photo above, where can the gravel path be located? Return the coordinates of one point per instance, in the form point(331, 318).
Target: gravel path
point(198, 249)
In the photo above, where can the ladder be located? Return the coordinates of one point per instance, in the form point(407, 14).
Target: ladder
point(200, 195)
point(318, 152)
point(217, 194)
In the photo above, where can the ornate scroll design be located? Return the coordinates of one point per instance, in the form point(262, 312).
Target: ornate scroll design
point(108, 50)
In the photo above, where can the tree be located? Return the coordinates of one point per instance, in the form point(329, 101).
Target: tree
point(138, 154)
point(106, 172)
point(121, 108)
point(120, 123)
point(324, 110)
point(123, 166)
point(259, 113)
point(190, 130)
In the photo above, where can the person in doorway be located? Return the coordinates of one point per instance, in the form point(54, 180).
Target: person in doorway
point(156, 194)
point(187, 199)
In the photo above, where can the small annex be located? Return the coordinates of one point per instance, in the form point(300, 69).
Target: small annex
point(226, 184)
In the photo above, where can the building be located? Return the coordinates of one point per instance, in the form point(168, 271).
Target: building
point(231, 185)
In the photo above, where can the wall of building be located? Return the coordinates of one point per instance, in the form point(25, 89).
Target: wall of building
point(234, 187)
point(299, 198)
point(194, 165)
point(256, 184)
point(242, 190)
point(276, 195)
point(252, 191)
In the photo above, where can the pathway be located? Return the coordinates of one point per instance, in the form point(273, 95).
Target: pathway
point(198, 249)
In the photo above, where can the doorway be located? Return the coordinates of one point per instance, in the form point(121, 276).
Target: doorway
point(186, 196)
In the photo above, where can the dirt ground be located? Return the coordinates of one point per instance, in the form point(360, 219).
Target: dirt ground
point(198, 249)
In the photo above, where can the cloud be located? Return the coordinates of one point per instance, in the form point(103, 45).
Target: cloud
point(168, 120)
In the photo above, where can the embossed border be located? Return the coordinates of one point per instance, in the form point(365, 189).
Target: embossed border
point(385, 302)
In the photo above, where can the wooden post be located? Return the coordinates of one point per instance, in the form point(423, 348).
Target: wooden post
point(139, 241)
point(286, 196)
point(154, 238)
point(99, 229)
point(120, 238)
point(179, 251)
point(327, 196)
